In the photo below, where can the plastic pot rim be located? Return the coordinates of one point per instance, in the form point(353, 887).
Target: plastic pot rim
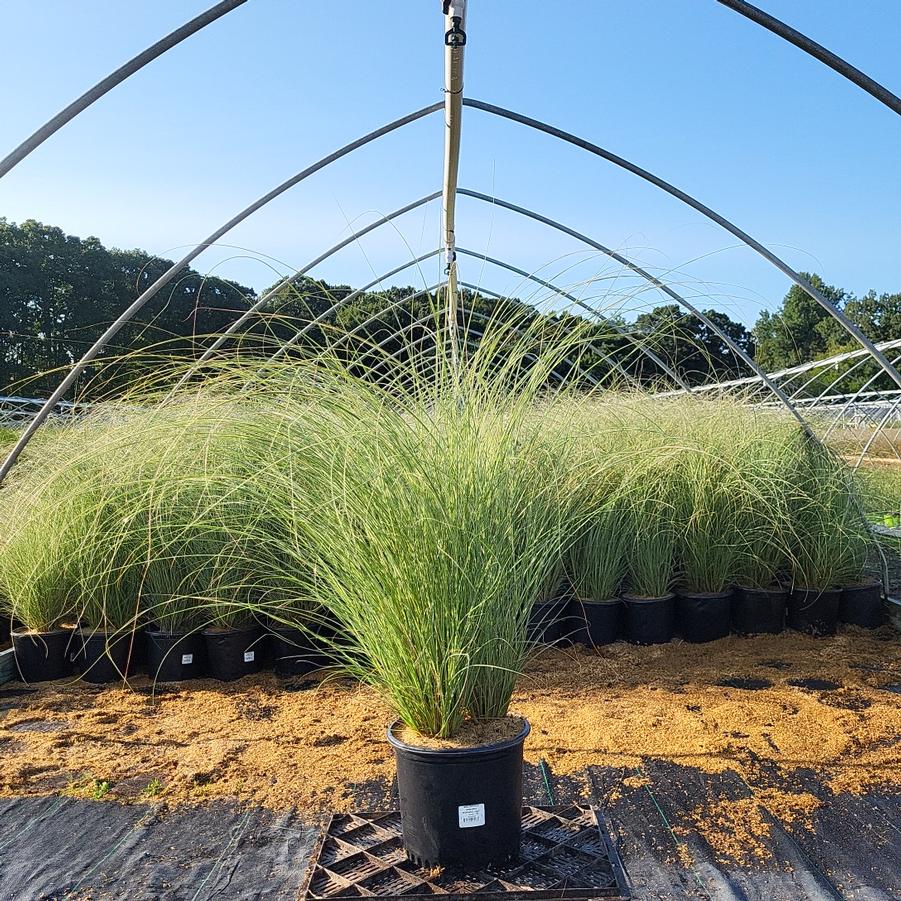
point(35, 633)
point(706, 594)
point(209, 631)
point(773, 589)
point(606, 602)
point(862, 586)
point(282, 631)
point(162, 633)
point(638, 599)
point(457, 753)
point(88, 632)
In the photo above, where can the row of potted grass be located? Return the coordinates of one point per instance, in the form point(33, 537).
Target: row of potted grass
point(709, 518)
point(223, 654)
point(140, 521)
point(165, 516)
point(567, 619)
point(426, 516)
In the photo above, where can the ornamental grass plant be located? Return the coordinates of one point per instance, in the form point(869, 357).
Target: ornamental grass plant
point(434, 516)
point(140, 514)
point(412, 514)
point(830, 538)
point(598, 556)
point(768, 447)
point(707, 490)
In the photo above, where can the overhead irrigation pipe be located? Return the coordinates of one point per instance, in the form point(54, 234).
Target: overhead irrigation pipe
point(732, 345)
point(454, 47)
point(107, 84)
point(868, 397)
point(817, 51)
point(173, 270)
point(850, 327)
point(623, 332)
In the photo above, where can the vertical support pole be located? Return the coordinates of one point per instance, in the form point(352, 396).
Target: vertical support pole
point(454, 42)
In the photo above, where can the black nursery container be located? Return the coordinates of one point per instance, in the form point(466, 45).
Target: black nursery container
point(296, 652)
point(813, 610)
point(704, 616)
point(43, 656)
point(100, 657)
point(598, 622)
point(4, 630)
point(650, 620)
point(138, 662)
point(546, 621)
point(759, 610)
point(861, 605)
point(233, 653)
point(175, 656)
point(460, 806)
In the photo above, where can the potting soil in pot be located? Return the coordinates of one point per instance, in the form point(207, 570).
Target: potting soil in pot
point(471, 735)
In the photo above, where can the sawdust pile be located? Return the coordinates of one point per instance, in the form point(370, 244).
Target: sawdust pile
point(727, 705)
point(739, 829)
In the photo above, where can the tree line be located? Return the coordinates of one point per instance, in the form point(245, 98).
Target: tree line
point(59, 292)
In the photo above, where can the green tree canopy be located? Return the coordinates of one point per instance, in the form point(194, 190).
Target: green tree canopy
point(58, 293)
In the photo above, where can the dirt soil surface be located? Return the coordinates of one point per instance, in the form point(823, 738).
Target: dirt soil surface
point(744, 705)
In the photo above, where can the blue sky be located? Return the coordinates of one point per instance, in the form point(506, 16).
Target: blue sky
point(796, 156)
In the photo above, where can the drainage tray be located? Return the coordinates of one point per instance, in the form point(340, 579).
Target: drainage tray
point(566, 853)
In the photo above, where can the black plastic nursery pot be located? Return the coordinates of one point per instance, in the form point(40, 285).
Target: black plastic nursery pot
point(4, 630)
point(100, 657)
point(139, 652)
point(814, 610)
point(758, 611)
point(295, 652)
point(650, 620)
point(460, 806)
point(599, 622)
point(547, 620)
point(233, 653)
point(704, 616)
point(861, 605)
point(43, 656)
point(175, 656)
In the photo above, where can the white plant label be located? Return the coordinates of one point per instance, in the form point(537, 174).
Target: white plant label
point(471, 815)
point(248, 656)
point(186, 659)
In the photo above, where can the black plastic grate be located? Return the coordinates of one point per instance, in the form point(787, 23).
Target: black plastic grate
point(566, 853)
